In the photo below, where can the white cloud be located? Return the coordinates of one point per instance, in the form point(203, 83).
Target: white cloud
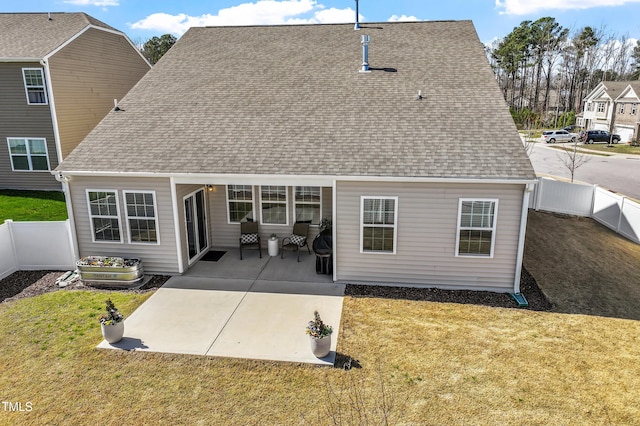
point(262, 12)
point(403, 18)
point(103, 3)
point(525, 7)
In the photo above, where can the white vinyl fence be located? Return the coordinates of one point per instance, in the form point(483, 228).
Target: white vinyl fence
point(615, 211)
point(35, 246)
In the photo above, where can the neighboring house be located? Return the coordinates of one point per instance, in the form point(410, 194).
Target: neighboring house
point(598, 105)
point(59, 76)
point(627, 117)
point(414, 158)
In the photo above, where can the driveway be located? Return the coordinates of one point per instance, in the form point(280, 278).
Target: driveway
point(260, 315)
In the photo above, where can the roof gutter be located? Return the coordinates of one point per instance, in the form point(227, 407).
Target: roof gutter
point(239, 179)
point(20, 59)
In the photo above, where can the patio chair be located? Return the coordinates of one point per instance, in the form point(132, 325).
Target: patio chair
point(249, 236)
point(296, 240)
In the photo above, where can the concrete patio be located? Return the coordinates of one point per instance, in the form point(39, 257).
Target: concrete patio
point(254, 308)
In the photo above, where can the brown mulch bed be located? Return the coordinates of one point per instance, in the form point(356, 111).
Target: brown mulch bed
point(32, 283)
point(23, 284)
point(528, 286)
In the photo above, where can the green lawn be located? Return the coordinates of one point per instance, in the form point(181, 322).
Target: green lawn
point(32, 205)
point(619, 148)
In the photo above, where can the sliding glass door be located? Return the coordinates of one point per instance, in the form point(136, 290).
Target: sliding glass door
point(196, 224)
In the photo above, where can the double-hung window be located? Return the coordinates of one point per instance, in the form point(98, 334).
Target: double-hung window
point(103, 211)
point(378, 224)
point(141, 217)
point(240, 203)
point(274, 205)
point(476, 227)
point(28, 154)
point(34, 86)
point(634, 109)
point(307, 201)
point(621, 108)
point(600, 106)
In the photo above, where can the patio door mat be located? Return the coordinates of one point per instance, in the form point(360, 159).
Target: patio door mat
point(213, 255)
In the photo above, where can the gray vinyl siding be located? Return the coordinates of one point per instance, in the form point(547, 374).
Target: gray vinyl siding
point(156, 258)
point(18, 119)
point(224, 234)
point(426, 237)
point(86, 76)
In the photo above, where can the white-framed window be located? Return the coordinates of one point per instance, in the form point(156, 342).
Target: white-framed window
point(378, 224)
point(621, 108)
point(600, 106)
point(28, 154)
point(104, 214)
point(589, 106)
point(476, 227)
point(274, 205)
point(34, 86)
point(141, 216)
point(307, 204)
point(240, 203)
point(634, 109)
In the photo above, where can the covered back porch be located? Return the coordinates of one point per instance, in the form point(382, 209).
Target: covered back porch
point(210, 217)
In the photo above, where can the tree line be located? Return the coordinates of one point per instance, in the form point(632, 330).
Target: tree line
point(543, 67)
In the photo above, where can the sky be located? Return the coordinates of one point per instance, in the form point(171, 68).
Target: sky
point(493, 19)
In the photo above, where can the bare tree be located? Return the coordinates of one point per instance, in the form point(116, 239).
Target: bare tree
point(573, 159)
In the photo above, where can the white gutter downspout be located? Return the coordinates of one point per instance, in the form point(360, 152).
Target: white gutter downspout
point(523, 229)
point(176, 225)
point(333, 229)
point(64, 181)
point(52, 109)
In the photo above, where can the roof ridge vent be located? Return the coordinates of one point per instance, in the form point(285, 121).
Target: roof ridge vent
point(357, 25)
point(365, 53)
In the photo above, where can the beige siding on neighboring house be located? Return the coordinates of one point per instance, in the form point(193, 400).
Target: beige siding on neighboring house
point(20, 120)
point(87, 75)
point(426, 236)
point(156, 258)
point(223, 234)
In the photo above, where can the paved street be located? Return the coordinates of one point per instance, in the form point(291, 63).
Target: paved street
point(620, 173)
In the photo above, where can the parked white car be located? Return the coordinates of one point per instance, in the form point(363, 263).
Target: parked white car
point(553, 136)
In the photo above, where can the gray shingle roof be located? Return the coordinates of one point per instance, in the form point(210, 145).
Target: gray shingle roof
point(34, 35)
point(614, 88)
point(290, 100)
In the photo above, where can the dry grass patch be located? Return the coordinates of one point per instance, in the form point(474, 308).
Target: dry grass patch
point(439, 363)
point(582, 266)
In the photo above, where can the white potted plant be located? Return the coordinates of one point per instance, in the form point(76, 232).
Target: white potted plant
point(112, 324)
point(320, 336)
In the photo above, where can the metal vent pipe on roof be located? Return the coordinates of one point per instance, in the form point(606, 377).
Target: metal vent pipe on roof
point(365, 53)
point(357, 26)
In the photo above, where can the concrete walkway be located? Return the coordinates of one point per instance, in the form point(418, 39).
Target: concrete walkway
point(258, 314)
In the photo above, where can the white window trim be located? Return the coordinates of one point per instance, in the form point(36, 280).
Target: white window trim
point(634, 109)
point(622, 108)
point(46, 152)
point(93, 231)
point(295, 203)
point(493, 228)
point(44, 86)
point(155, 217)
point(394, 226)
point(286, 200)
point(253, 202)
